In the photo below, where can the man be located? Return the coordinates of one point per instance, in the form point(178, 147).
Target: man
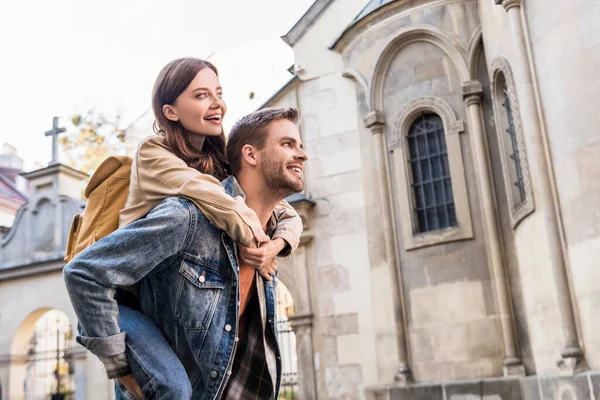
point(217, 315)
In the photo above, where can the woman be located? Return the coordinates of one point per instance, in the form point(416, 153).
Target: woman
point(187, 160)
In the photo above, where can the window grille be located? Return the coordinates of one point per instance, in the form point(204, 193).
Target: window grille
point(431, 181)
point(515, 157)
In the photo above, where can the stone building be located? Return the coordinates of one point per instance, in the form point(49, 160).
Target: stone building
point(36, 317)
point(451, 211)
point(454, 158)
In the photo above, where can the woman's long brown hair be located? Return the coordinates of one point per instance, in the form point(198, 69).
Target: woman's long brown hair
point(173, 79)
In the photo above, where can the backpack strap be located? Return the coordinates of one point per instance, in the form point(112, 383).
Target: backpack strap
point(105, 170)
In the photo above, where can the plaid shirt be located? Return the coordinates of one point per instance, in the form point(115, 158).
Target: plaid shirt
point(254, 371)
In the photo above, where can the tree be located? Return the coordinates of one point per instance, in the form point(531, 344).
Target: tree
point(91, 139)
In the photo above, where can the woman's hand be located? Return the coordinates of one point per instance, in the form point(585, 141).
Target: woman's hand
point(132, 386)
point(263, 258)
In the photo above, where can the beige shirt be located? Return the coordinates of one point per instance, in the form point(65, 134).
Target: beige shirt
point(157, 173)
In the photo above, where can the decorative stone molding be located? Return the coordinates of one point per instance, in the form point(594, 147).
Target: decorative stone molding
point(409, 113)
point(383, 14)
point(472, 92)
point(474, 50)
point(403, 183)
point(508, 4)
point(418, 33)
point(472, 88)
point(300, 320)
point(373, 119)
point(521, 210)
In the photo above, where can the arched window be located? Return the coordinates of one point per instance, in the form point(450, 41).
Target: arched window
point(511, 141)
point(431, 181)
point(512, 149)
point(428, 175)
point(49, 360)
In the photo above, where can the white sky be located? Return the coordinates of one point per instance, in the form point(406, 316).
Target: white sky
point(62, 57)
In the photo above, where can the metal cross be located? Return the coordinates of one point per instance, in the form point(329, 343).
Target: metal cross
point(54, 132)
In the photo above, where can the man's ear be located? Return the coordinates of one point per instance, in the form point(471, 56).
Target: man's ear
point(250, 154)
point(170, 112)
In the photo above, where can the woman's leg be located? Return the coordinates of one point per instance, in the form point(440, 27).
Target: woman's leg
point(153, 362)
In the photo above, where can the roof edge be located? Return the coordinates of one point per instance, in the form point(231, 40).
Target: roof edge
point(302, 25)
point(286, 85)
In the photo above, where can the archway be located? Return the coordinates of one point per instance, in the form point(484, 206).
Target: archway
point(42, 362)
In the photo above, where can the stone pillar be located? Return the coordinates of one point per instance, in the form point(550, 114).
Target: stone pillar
point(302, 326)
point(301, 321)
point(375, 122)
point(16, 376)
point(472, 92)
point(572, 353)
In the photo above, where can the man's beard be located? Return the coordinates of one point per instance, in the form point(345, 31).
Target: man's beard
point(278, 182)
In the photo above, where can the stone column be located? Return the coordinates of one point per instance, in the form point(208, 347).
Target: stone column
point(16, 376)
point(375, 122)
point(540, 167)
point(302, 326)
point(472, 92)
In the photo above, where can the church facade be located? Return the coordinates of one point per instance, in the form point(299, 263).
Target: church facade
point(454, 152)
point(451, 212)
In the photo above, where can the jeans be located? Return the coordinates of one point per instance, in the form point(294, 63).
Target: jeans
point(153, 362)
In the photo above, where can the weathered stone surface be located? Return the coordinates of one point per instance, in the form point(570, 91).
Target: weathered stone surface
point(464, 390)
point(330, 351)
point(501, 389)
point(337, 278)
point(565, 388)
point(421, 392)
point(341, 325)
point(530, 388)
point(344, 382)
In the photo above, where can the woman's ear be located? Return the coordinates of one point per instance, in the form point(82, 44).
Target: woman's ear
point(170, 112)
point(250, 155)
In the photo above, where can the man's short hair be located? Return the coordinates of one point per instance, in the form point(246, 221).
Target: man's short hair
point(252, 130)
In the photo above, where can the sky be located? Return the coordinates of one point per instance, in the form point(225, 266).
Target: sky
point(64, 57)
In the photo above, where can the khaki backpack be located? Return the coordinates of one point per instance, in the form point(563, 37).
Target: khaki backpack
point(106, 194)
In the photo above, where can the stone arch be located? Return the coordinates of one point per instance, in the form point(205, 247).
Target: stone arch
point(474, 50)
point(293, 274)
point(356, 76)
point(19, 347)
point(452, 125)
point(423, 33)
point(286, 277)
point(396, 145)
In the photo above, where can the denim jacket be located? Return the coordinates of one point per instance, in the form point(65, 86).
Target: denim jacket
point(188, 274)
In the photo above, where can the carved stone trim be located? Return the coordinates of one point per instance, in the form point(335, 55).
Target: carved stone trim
point(374, 118)
point(385, 13)
point(415, 33)
point(472, 88)
point(405, 196)
point(412, 110)
point(508, 4)
point(301, 320)
point(518, 211)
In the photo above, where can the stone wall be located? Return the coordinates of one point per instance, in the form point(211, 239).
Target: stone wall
point(530, 235)
point(453, 327)
point(565, 39)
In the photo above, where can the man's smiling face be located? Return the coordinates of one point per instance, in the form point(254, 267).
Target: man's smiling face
point(282, 158)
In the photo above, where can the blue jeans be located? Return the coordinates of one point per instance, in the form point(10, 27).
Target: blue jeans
point(153, 362)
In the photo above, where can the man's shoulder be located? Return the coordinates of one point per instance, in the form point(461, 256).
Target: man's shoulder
point(179, 208)
point(176, 208)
